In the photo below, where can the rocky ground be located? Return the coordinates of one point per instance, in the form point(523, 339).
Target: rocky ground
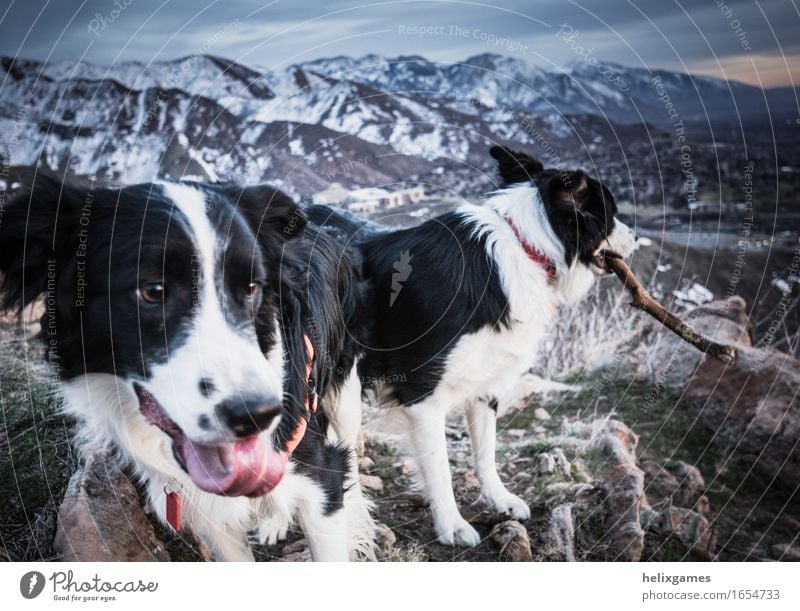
point(631, 463)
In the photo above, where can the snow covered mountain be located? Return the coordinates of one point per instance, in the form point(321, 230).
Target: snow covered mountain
point(610, 90)
point(369, 121)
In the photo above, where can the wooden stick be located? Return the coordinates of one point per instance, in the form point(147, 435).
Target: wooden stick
point(644, 301)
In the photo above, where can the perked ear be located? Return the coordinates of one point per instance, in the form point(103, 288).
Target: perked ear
point(37, 233)
point(571, 188)
point(514, 166)
point(269, 212)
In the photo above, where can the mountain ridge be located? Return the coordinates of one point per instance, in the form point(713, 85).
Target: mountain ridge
point(207, 117)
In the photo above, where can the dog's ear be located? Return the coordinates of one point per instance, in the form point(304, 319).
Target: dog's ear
point(271, 214)
point(571, 188)
point(37, 233)
point(514, 166)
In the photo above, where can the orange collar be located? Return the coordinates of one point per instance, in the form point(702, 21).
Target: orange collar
point(310, 403)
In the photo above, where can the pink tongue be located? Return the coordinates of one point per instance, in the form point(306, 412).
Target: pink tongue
point(244, 468)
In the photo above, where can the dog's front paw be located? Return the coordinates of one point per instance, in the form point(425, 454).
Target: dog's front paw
point(457, 532)
point(273, 531)
point(512, 505)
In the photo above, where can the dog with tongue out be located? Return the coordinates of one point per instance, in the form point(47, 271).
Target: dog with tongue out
point(246, 465)
point(210, 337)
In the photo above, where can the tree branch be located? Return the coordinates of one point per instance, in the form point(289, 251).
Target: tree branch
point(644, 301)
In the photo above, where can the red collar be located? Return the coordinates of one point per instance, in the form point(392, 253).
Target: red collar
point(533, 254)
point(311, 403)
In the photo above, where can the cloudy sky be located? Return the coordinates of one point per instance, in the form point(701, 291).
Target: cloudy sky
point(754, 41)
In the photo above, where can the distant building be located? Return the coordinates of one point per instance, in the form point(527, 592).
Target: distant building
point(334, 193)
point(365, 207)
point(371, 199)
point(415, 194)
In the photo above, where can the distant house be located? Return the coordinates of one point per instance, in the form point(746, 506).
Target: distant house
point(415, 194)
point(364, 207)
point(334, 193)
point(371, 199)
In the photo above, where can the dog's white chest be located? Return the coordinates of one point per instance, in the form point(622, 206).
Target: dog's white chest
point(489, 362)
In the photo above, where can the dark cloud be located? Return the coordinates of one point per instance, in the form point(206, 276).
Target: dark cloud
point(675, 34)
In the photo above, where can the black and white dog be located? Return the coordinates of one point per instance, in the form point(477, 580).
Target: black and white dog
point(459, 305)
point(195, 328)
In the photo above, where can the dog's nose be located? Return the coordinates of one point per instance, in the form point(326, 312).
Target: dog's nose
point(245, 416)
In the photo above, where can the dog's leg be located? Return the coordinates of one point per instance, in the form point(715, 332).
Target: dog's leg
point(226, 544)
point(327, 536)
point(426, 427)
point(482, 424)
point(345, 410)
point(345, 419)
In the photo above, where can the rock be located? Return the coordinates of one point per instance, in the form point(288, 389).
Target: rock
point(786, 551)
point(304, 556)
point(561, 533)
point(554, 462)
point(678, 484)
point(752, 406)
point(539, 431)
point(101, 518)
point(406, 466)
point(541, 413)
point(579, 471)
point(294, 547)
point(688, 527)
point(385, 539)
point(623, 483)
point(691, 486)
point(471, 480)
point(563, 466)
point(545, 463)
point(512, 540)
point(516, 433)
point(562, 492)
point(371, 482)
point(660, 484)
point(365, 464)
point(627, 438)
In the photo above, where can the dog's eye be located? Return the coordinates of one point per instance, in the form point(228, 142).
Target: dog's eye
point(151, 292)
point(252, 291)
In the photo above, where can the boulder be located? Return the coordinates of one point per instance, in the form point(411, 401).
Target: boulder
point(677, 483)
point(561, 533)
point(366, 464)
point(372, 483)
point(752, 406)
point(541, 414)
point(512, 540)
point(101, 517)
point(689, 532)
point(623, 484)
